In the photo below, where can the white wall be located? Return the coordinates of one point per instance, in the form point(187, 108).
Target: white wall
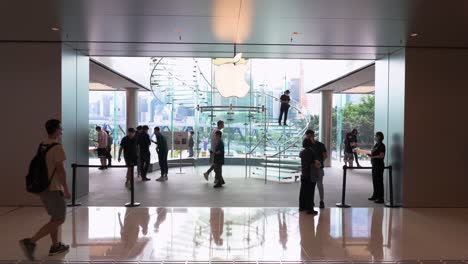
point(31, 83)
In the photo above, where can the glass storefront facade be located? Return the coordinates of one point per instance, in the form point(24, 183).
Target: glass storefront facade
point(184, 97)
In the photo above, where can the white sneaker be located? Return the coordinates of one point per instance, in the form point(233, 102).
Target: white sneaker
point(165, 177)
point(206, 174)
point(160, 179)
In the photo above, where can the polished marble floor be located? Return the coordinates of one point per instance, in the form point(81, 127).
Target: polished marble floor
point(189, 189)
point(244, 234)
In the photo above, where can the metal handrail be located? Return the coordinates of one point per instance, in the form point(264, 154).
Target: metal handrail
point(256, 145)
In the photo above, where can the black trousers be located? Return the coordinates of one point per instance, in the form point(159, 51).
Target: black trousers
point(283, 110)
point(145, 160)
point(162, 158)
point(306, 195)
point(377, 181)
point(356, 159)
point(109, 156)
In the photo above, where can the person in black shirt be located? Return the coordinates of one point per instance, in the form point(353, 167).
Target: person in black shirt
point(285, 99)
point(354, 134)
point(128, 146)
point(219, 160)
point(310, 166)
point(162, 151)
point(350, 144)
point(377, 156)
point(144, 143)
point(137, 135)
point(321, 152)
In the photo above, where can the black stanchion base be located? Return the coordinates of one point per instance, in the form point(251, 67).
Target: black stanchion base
point(342, 205)
point(73, 204)
point(132, 205)
point(391, 206)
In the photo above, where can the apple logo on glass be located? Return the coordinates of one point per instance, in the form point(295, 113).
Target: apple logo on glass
point(230, 77)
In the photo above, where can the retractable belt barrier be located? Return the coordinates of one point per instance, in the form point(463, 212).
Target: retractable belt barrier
point(132, 202)
point(343, 203)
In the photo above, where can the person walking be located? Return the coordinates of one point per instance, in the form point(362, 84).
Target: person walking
point(128, 146)
point(162, 151)
point(220, 126)
point(377, 156)
point(219, 160)
point(321, 152)
point(53, 198)
point(310, 166)
point(191, 144)
point(284, 99)
point(144, 143)
point(137, 135)
point(102, 147)
point(354, 134)
point(110, 142)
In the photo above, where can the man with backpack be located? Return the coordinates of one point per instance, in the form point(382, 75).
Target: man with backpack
point(47, 179)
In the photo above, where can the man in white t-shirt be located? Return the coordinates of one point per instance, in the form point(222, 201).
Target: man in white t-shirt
point(102, 147)
point(54, 197)
point(214, 141)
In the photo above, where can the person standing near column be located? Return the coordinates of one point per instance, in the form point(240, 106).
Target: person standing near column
point(129, 147)
point(214, 141)
point(309, 168)
point(285, 99)
point(162, 151)
point(321, 152)
point(144, 143)
point(110, 142)
point(102, 147)
point(191, 143)
point(377, 156)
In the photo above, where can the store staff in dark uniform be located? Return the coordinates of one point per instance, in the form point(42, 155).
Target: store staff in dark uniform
point(310, 166)
point(162, 151)
point(377, 159)
point(285, 99)
point(144, 143)
point(129, 147)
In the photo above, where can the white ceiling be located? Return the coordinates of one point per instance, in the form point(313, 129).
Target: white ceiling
point(358, 81)
point(101, 76)
point(327, 29)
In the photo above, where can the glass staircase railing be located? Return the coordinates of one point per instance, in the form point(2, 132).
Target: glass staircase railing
point(251, 131)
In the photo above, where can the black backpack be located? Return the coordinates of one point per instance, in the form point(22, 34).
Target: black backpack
point(37, 179)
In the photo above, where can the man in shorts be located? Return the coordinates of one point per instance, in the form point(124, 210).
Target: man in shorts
point(128, 146)
point(349, 143)
point(54, 197)
point(102, 147)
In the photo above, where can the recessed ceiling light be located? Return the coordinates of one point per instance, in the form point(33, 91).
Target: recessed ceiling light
point(55, 29)
point(414, 34)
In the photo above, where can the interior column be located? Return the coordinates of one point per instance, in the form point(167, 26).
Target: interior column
point(326, 123)
point(132, 107)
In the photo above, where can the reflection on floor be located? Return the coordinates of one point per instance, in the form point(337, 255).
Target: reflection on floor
point(190, 189)
point(245, 234)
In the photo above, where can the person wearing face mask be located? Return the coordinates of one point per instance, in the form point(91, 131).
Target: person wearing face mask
point(377, 156)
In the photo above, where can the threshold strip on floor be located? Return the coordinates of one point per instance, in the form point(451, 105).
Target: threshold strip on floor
point(235, 262)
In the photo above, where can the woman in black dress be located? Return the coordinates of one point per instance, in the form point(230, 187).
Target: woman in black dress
point(377, 159)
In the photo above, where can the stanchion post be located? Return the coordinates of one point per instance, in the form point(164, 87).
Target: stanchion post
point(343, 191)
point(74, 203)
point(132, 202)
